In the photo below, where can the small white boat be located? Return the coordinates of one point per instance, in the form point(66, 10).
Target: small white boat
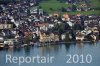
point(79, 36)
point(94, 38)
point(1, 43)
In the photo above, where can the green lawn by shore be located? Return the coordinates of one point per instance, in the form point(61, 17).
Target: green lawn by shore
point(56, 5)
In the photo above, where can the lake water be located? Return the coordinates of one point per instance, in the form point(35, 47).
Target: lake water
point(60, 53)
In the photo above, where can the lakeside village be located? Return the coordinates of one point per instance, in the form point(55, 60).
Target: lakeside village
point(23, 24)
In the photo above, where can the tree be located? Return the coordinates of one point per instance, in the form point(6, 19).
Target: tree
point(74, 7)
point(59, 27)
point(63, 9)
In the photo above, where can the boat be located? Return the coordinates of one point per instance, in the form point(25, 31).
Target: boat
point(79, 37)
point(93, 38)
point(1, 46)
point(1, 43)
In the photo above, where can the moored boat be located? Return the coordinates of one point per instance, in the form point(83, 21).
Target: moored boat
point(79, 36)
point(1, 42)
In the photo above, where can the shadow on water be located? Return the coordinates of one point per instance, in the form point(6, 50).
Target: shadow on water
point(67, 45)
point(50, 48)
point(17, 49)
point(79, 44)
point(27, 50)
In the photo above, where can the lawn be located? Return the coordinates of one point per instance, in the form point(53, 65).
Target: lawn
point(52, 6)
point(95, 3)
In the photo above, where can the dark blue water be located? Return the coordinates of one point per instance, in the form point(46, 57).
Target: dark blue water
point(58, 51)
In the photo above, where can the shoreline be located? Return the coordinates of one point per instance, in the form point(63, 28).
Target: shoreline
point(43, 44)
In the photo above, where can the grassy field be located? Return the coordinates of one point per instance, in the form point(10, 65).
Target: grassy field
point(95, 3)
point(53, 6)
